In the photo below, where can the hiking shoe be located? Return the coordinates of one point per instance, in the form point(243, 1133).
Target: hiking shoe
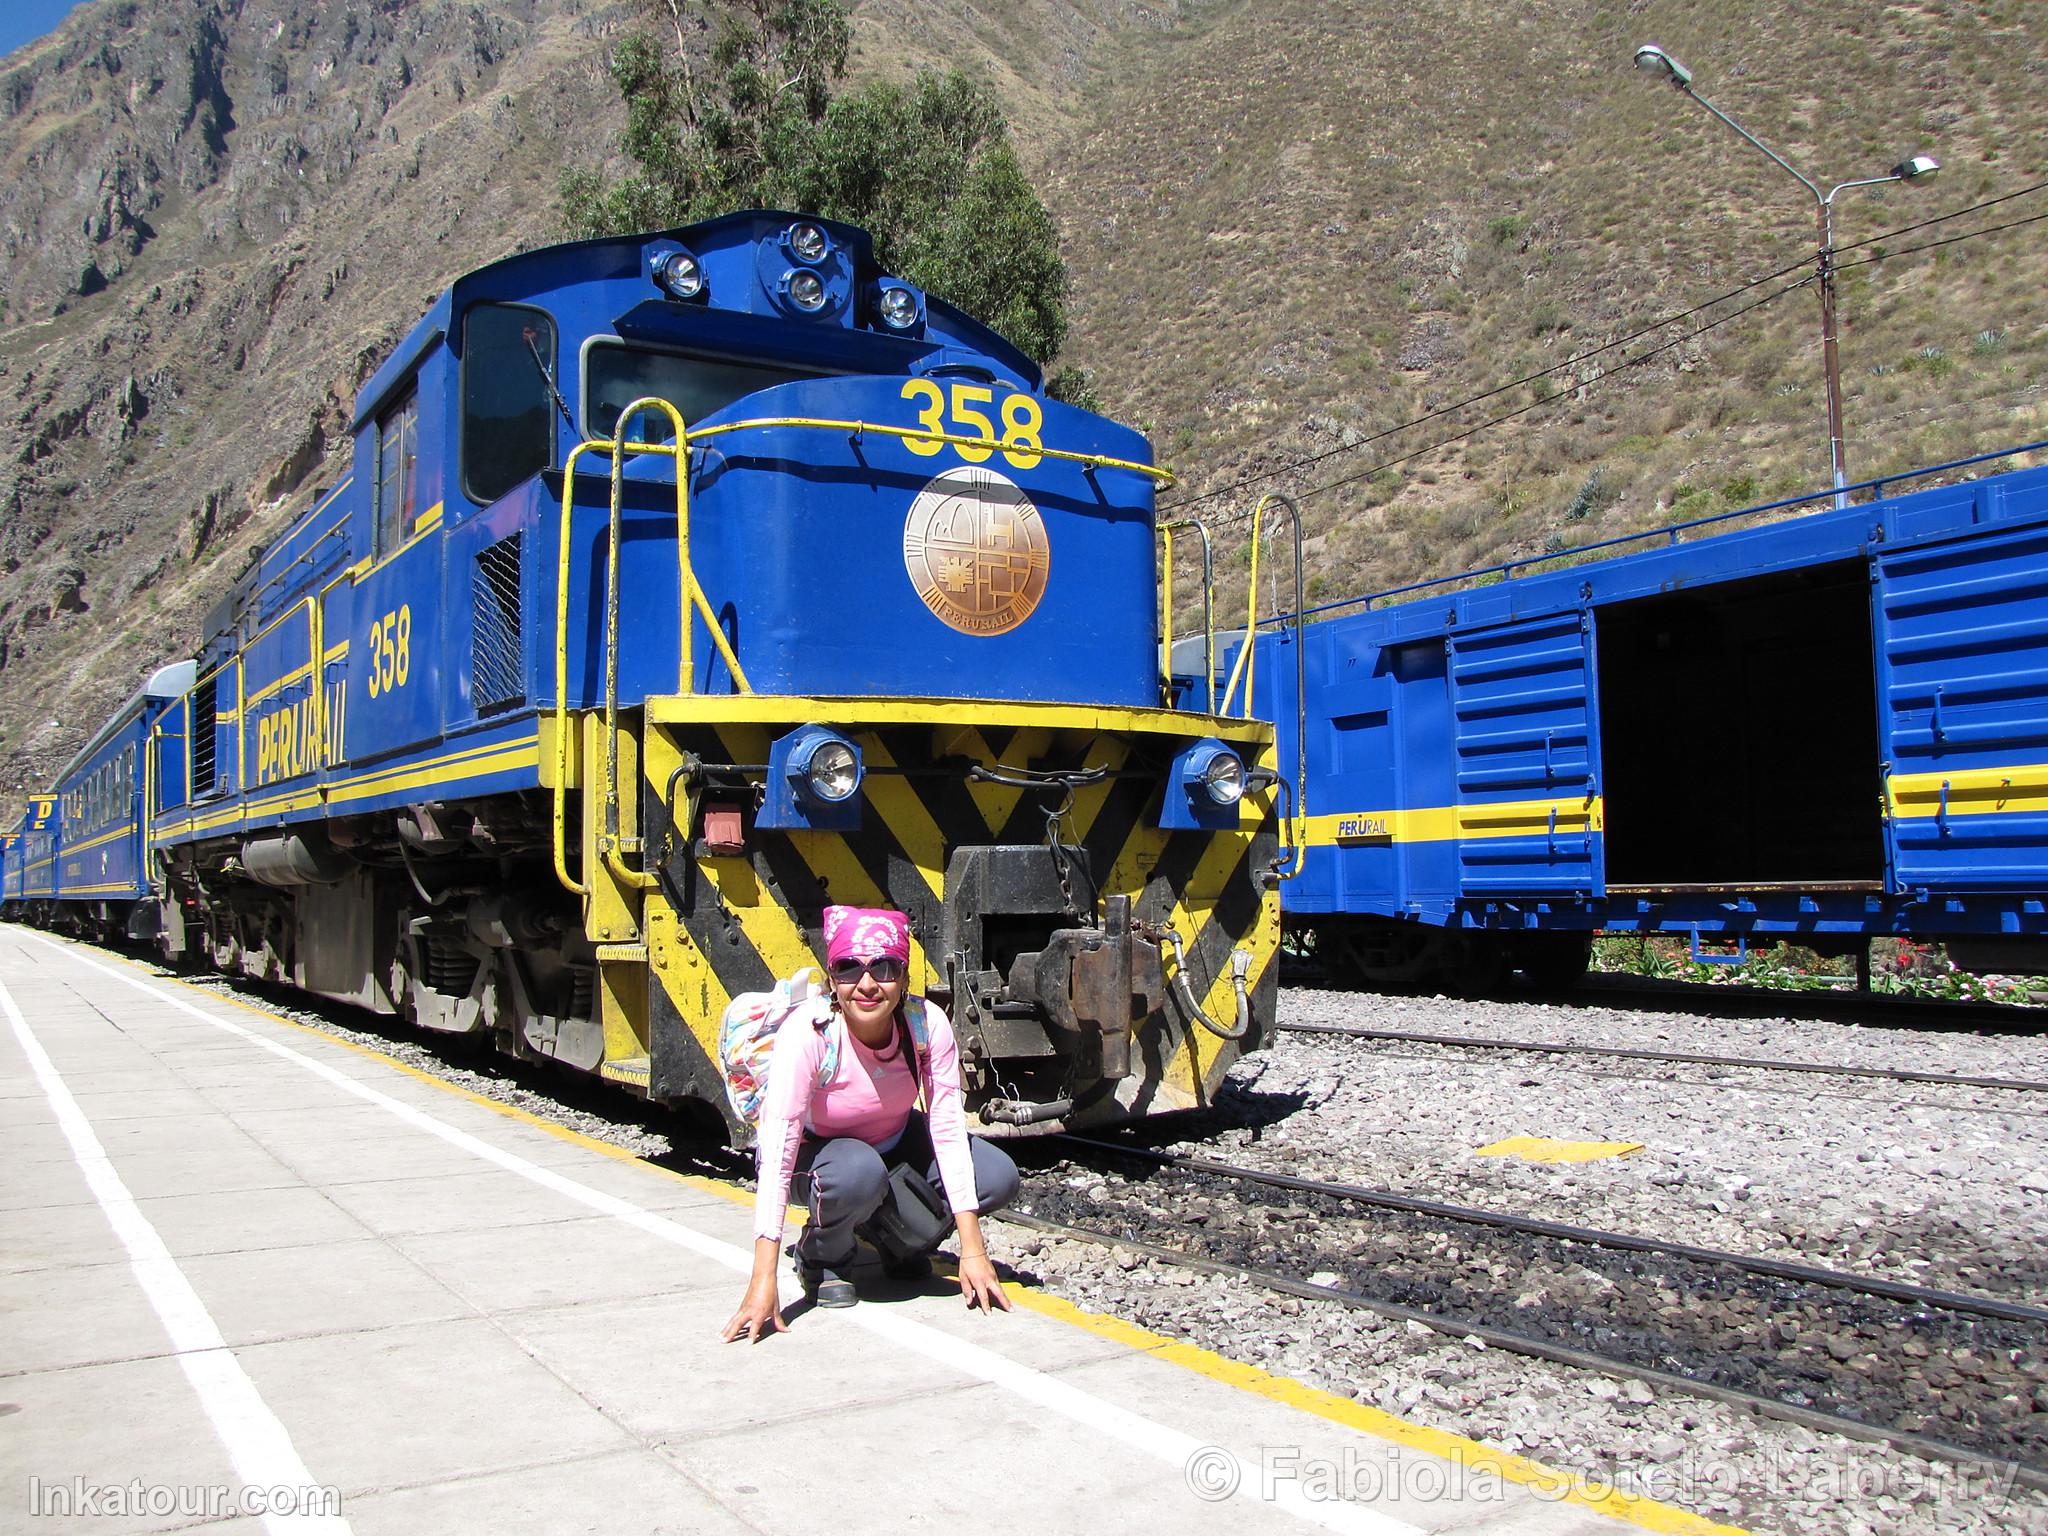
point(827, 1287)
point(917, 1267)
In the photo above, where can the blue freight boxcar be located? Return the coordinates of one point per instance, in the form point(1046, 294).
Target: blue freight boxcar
point(1822, 730)
point(684, 584)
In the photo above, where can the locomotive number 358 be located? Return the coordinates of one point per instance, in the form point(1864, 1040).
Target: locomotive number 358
point(391, 651)
point(1022, 420)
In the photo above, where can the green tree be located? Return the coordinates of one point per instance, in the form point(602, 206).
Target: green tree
point(739, 112)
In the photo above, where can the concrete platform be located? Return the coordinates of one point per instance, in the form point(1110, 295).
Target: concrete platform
point(239, 1255)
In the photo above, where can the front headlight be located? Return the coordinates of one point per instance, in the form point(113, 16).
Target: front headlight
point(814, 779)
point(1223, 778)
point(833, 772)
point(1208, 780)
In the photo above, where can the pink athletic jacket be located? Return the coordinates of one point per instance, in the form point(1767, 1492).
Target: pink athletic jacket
point(870, 1096)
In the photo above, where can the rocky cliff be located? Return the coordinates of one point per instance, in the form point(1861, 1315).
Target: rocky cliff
point(216, 218)
point(1293, 226)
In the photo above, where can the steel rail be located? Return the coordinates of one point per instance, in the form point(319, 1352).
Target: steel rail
point(1685, 1058)
point(1777, 1269)
point(1561, 1354)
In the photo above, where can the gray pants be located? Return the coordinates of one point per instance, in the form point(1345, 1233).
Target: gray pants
point(846, 1179)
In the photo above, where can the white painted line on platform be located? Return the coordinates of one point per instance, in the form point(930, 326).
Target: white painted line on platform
point(258, 1446)
point(1198, 1463)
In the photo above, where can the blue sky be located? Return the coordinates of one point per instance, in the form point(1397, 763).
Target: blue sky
point(23, 21)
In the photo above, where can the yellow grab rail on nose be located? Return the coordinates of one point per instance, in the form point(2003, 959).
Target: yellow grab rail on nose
point(690, 594)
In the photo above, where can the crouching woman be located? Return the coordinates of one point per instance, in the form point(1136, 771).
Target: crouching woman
point(841, 1112)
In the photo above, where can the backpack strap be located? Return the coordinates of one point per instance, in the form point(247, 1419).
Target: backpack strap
point(828, 1059)
point(914, 1040)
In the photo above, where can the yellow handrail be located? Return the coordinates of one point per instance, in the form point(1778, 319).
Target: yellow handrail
point(561, 795)
point(149, 750)
point(690, 594)
point(1296, 842)
point(887, 429)
point(1208, 604)
point(1244, 665)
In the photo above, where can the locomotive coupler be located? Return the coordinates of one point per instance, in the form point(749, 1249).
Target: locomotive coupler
point(1096, 986)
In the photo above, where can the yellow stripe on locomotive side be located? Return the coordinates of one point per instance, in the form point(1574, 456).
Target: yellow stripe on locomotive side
point(1968, 792)
point(496, 757)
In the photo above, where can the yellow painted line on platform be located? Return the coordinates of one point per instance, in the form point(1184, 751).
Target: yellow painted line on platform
point(1549, 1483)
point(1545, 1149)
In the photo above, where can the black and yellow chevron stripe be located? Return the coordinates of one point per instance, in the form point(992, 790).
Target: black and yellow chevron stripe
point(722, 925)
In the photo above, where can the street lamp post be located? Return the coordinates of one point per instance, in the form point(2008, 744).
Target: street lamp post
point(1652, 60)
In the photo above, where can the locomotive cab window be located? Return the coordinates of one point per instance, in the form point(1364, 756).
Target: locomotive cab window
point(616, 374)
point(398, 452)
point(508, 394)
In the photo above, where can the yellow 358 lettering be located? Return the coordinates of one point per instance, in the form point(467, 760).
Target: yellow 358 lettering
point(391, 651)
point(960, 415)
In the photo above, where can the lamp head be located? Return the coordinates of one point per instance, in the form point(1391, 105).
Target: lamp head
point(1916, 167)
point(1652, 60)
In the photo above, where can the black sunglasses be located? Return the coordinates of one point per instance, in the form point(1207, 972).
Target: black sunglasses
point(884, 968)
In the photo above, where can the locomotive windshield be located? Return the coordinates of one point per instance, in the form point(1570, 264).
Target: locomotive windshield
point(616, 374)
point(508, 363)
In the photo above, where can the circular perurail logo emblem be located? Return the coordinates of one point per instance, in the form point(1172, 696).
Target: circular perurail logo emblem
point(976, 550)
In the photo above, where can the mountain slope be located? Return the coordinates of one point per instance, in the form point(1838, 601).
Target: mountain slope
point(1292, 225)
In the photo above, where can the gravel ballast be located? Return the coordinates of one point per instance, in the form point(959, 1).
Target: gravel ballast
point(1934, 1185)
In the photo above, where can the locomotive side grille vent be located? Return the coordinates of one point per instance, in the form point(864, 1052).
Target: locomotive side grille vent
point(203, 722)
point(498, 653)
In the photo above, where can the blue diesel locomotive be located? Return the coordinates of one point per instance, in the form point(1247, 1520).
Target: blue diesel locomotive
point(1822, 730)
point(686, 584)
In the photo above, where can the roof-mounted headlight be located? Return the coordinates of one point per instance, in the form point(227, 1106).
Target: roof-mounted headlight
point(679, 274)
point(898, 307)
point(807, 291)
point(808, 243)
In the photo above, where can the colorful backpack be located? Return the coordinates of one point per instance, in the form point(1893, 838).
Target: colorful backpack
point(746, 1039)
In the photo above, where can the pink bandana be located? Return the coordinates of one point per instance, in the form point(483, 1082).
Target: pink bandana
point(866, 933)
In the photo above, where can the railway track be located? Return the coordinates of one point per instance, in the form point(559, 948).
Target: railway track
point(1942, 1374)
point(1673, 1058)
